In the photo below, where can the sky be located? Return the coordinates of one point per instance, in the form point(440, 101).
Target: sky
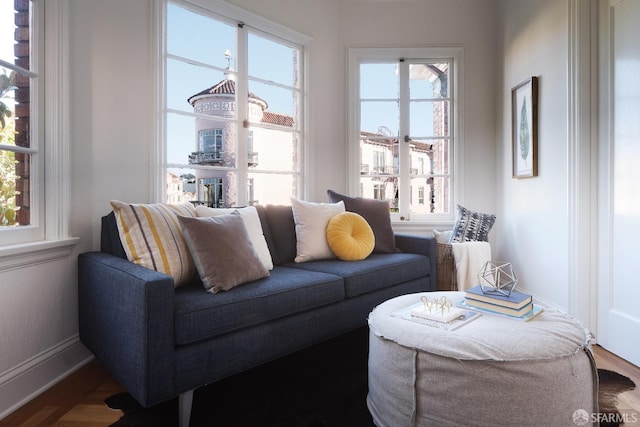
point(7, 27)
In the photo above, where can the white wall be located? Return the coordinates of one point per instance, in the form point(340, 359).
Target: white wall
point(531, 230)
point(112, 138)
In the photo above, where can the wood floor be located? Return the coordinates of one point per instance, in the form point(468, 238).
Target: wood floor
point(78, 400)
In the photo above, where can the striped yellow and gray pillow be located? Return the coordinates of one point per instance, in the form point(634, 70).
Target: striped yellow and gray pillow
point(152, 237)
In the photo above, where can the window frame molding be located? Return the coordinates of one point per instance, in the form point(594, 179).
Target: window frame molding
point(56, 242)
point(355, 55)
point(225, 12)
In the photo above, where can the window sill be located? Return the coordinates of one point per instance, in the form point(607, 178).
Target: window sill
point(27, 254)
point(420, 227)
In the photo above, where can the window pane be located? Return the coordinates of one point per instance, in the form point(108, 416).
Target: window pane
point(181, 185)
point(203, 39)
point(381, 188)
point(215, 188)
point(181, 138)
point(271, 188)
point(7, 30)
point(429, 195)
point(379, 117)
point(278, 100)
point(421, 195)
point(272, 61)
point(378, 155)
point(429, 157)
point(429, 118)
point(9, 187)
point(187, 82)
point(379, 81)
point(15, 113)
point(427, 81)
point(273, 149)
point(441, 156)
point(207, 187)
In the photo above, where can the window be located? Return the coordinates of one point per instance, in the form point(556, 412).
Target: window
point(34, 170)
point(234, 101)
point(21, 143)
point(209, 148)
point(402, 119)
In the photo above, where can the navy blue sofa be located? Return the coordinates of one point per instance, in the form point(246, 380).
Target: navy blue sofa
point(160, 342)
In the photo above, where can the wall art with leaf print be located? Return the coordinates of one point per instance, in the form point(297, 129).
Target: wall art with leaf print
point(524, 118)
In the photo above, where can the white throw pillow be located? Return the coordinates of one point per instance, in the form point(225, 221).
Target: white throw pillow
point(253, 225)
point(311, 228)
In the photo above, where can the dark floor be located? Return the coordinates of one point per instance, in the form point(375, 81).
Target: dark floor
point(325, 385)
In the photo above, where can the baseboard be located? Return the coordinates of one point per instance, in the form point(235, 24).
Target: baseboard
point(30, 378)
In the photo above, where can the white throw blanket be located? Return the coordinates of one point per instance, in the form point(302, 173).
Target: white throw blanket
point(470, 257)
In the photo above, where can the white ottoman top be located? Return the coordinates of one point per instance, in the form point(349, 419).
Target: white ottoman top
point(549, 335)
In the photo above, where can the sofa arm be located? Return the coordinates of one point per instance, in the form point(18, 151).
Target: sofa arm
point(422, 245)
point(125, 314)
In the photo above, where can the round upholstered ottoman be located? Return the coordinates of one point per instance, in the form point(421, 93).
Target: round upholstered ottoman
point(492, 371)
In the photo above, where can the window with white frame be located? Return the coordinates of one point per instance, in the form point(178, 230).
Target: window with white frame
point(234, 100)
point(21, 121)
point(402, 118)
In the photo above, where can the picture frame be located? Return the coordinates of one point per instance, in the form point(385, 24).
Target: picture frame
point(524, 128)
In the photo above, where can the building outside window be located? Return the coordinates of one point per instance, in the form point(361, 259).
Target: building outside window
point(402, 119)
point(234, 126)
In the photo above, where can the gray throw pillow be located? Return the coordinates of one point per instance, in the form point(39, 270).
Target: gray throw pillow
point(471, 226)
point(222, 251)
point(376, 212)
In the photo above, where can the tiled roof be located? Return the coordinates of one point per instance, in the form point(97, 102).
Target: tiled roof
point(225, 87)
point(228, 87)
point(277, 119)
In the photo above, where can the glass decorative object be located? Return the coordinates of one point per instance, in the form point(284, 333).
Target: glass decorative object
point(497, 278)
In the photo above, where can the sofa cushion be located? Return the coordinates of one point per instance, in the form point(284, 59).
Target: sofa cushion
point(311, 228)
point(151, 237)
point(222, 251)
point(279, 231)
point(350, 237)
point(252, 223)
point(376, 212)
point(471, 226)
point(109, 238)
point(376, 272)
point(200, 315)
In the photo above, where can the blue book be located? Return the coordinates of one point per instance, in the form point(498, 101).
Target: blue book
point(525, 318)
point(515, 301)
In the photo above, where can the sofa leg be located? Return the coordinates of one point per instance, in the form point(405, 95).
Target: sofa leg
point(184, 407)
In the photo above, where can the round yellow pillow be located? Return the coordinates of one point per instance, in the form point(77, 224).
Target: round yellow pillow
point(350, 237)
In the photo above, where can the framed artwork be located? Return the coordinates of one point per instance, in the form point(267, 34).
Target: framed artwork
point(524, 125)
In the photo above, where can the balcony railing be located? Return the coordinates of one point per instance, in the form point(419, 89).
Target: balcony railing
point(206, 158)
point(209, 203)
point(383, 170)
point(365, 169)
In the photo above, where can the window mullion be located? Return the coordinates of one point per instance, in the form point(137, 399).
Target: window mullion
point(242, 115)
point(404, 179)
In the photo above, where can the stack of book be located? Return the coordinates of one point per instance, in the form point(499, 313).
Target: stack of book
point(516, 304)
